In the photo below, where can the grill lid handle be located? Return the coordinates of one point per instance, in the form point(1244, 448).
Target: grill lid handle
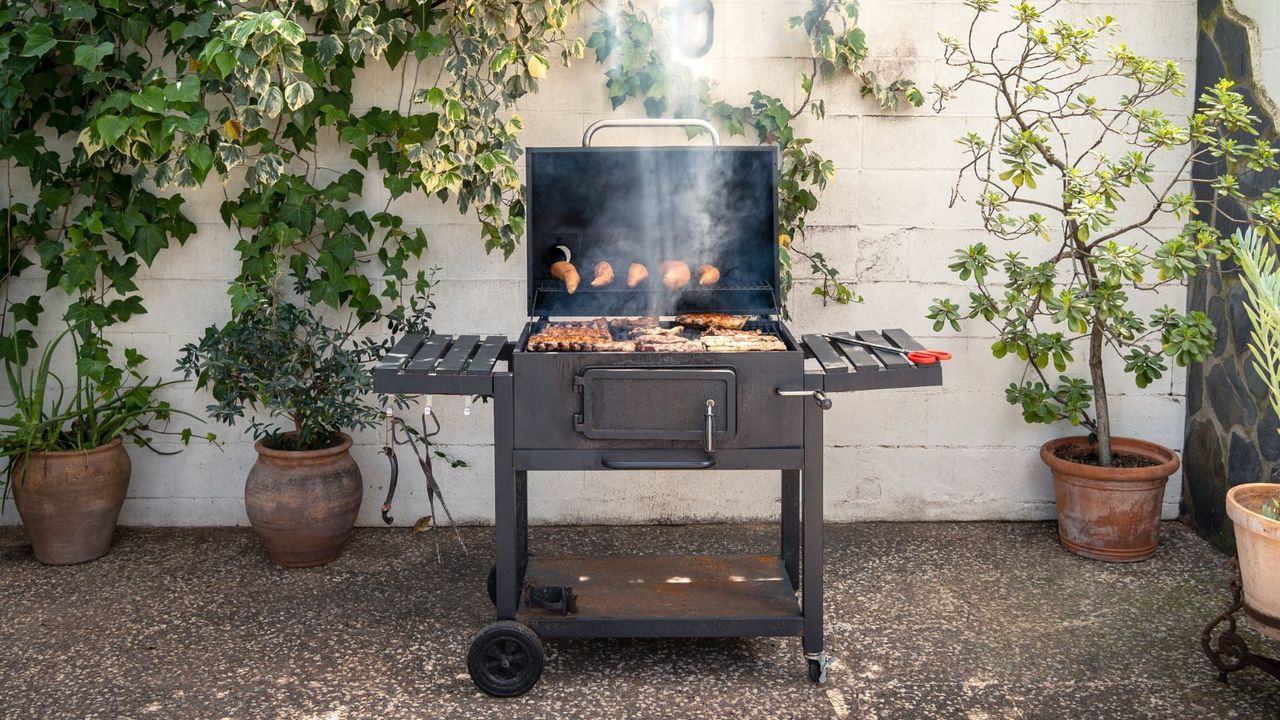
point(649, 123)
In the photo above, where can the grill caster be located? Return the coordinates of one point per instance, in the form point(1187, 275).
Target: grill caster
point(818, 667)
point(505, 659)
point(491, 583)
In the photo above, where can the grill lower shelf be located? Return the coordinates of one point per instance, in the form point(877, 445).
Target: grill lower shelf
point(667, 596)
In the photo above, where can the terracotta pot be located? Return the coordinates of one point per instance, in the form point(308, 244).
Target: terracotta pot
point(1258, 548)
point(303, 503)
point(1108, 513)
point(70, 501)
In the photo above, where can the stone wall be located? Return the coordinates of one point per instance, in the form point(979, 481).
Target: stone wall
point(1231, 430)
point(956, 453)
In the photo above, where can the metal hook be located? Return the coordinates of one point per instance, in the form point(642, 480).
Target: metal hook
point(390, 452)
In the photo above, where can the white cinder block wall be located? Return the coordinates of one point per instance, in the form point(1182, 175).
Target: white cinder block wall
point(956, 453)
point(1266, 15)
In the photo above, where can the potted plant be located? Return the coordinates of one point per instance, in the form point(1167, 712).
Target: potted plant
point(1078, 157)
point(303, 493)
point(1254, 508)
point(66, 463)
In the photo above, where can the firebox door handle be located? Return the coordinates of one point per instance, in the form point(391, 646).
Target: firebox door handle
point(709, 440)
point(649, 123)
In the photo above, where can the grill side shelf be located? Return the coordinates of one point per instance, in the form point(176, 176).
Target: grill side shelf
point(827, 356)
point(439, 365)
point(865, 369)
point(891, 361)
point(487, 356)
point(458, 354)
point(861, 358)
point(425, 359)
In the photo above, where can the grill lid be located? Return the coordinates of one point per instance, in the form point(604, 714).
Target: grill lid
point(647, 205)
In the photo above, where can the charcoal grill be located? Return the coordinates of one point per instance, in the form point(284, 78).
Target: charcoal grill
point(651, 411)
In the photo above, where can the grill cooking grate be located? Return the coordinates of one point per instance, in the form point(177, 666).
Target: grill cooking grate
point(585, 288)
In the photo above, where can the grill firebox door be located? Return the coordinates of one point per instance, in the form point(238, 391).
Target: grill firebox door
point(658, 404)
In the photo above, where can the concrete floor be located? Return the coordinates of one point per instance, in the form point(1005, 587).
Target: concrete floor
point(980, 620)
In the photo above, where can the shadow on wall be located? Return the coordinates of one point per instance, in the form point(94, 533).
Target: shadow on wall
point(1232, 434)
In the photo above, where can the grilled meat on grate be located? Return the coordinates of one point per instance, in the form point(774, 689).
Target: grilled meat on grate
point(646, 334)
point(713, 320)
point(583, 336)
point(667, 343)
point(721, 340)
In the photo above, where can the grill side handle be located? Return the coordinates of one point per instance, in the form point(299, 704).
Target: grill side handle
point(649, 123)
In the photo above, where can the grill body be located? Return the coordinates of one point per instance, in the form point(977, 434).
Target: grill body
point(656, 401)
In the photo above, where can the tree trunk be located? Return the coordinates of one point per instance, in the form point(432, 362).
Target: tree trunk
point(1102, 413)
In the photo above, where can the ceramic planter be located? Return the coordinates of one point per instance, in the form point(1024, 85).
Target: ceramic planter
point(1108, 513)
point(70, 500)
point(303, 504)
point(1258, 549)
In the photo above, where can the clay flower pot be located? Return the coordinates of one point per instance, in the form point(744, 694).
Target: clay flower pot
point(70, 500)
point(1109, 513)
point(303, 503)
point(1258, 548)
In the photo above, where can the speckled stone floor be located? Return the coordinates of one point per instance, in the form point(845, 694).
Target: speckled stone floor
point(981, 620)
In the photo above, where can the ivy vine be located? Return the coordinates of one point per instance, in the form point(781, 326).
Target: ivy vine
point(108, 109)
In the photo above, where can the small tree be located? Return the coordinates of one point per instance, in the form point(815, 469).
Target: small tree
point(1256, 255)
point(1070, 157)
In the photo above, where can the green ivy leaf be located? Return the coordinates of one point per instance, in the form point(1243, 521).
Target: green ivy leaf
point(90, 56)
point(273, 102)
point(111, 128)
point(298, 94)
point(327, 49)
point(148, 241)
point(186, 90)
point(502, 58)
point(39, 40)
point(201, 158)
point(151, 99)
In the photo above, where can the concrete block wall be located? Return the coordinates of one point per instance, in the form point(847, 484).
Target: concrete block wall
point(956, 453)
point(1266, 15)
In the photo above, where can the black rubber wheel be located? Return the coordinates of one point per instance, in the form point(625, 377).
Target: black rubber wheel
point(491, 583)
point(505, 659)
point(815, 672)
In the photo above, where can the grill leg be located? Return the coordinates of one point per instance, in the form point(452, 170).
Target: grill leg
point(811, 597)
point(522, 519)
point(791, 525)
point(505, 514)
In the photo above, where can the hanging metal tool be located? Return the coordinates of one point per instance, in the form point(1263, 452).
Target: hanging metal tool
point(412, 439)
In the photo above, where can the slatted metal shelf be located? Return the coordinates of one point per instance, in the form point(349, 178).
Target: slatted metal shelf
point(442, 364)
point(847, 368)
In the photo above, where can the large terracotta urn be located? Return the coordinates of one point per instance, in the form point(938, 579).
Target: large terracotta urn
point(303, 503)
point(69, 500)
point(1110, 513)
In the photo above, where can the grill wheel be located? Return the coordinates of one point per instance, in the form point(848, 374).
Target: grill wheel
point(505, 659)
